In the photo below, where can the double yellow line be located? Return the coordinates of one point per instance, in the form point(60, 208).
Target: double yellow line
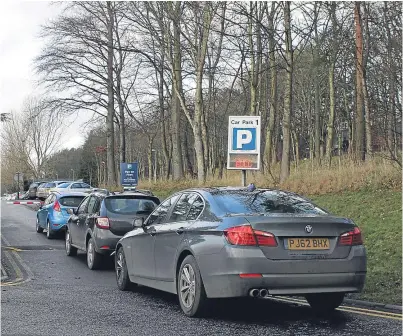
point(348, 309)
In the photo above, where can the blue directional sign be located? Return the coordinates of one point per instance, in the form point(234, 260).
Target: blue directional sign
point(244, 142)
point(129, 174)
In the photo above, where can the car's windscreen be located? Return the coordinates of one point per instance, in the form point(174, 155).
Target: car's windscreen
point(71, 201)
point(129, 205)
point(63, 185)
point(50, 185)
point(33, 185)
point(243, 202)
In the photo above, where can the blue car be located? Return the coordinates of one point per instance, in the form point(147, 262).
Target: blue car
point(53, 215)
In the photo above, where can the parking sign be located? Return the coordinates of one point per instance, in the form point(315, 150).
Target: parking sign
point(244, 142)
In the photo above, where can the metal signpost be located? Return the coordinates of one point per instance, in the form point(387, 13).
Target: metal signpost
point(244, 144)
point(17, 178)
point(129, 174)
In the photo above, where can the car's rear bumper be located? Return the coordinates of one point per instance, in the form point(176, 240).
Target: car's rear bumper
point(221, 273)
point(105, 241)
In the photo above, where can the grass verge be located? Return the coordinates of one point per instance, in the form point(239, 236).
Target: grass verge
point(379, 215)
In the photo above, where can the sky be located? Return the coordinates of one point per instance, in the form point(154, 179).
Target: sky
point(20, 43)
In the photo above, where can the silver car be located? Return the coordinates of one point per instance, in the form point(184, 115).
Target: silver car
point(231, 242)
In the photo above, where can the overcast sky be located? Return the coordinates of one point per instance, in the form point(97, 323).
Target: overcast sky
point(19, 44)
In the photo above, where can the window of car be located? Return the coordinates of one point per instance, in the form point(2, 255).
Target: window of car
point(85, 185)
point(71, 201)
point(93, 205)
point(181, 209)
point(63, 185)
point(130, 205)
point(83, 206)
point(76, 186)
point(264, 201)
point(160, 214)
point(196, 208)
point(33, 185)
point(50, 185)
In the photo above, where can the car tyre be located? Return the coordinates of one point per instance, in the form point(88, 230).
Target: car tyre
point(71, 251)
point(94, 259)
point(325, 302)
point(192, 295)
point(121, 271)
point(39, 229)
point(49, 233)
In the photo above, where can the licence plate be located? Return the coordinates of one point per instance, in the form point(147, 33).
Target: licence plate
point(308, 243)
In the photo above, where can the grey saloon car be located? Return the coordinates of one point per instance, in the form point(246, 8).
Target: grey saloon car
point(230, 242)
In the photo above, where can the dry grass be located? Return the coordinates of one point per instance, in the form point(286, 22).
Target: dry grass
point(306, 179)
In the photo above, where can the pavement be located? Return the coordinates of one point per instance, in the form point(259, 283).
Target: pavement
point(48, 293)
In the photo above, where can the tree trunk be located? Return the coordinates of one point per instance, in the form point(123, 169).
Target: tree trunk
point(177, 159)
point(110, 133)
point(273, 90)
point(285, 159)
point(330, 123)
point(360, 126)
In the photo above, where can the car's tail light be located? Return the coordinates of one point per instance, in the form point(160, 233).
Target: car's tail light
point(102, 223)
point(244, 235)
point(56, 206)
point(353, 237)
point(265, 239)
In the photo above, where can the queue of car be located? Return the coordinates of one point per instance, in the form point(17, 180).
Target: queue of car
point(208, 243)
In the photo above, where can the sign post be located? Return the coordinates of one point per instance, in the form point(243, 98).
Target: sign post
point(17, 177)
point(244, 144)
point(129, 174)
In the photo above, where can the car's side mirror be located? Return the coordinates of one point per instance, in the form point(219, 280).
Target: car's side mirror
point(70, 211)
point(138, 222)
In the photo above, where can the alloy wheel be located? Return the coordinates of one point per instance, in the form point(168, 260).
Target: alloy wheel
point(119, 267)
point(187, 286)
point(90, 253)
point(67, 241)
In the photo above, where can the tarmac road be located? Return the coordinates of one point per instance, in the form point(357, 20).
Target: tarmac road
point(48, 293)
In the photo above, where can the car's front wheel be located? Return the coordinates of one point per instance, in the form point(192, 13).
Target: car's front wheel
point(71, 251)
point(325, 302)
point(39, 229)
point(192, 295)
point(94, 259)
point(122, 273)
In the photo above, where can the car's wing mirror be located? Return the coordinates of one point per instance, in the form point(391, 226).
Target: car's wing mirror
point(138, 222)
point(70, 211)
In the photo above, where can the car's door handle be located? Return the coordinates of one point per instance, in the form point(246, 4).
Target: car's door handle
point(180, 230)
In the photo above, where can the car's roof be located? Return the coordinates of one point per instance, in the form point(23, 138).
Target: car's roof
point(64, 194)
point(214, 190)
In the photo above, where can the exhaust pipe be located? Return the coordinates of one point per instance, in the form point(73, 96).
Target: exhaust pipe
point(263, 292)
point(254, 292)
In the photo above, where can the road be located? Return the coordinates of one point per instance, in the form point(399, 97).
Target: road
point(52, 294)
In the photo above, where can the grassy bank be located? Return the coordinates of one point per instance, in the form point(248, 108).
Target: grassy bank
point(379, 214)
point(369, 193)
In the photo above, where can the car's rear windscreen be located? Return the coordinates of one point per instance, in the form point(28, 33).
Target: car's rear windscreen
point(130, 205)
point(71, 201)
point(270, 201)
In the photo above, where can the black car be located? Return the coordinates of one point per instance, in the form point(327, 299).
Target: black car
point(102, 219)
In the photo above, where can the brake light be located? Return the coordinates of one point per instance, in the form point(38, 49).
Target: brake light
point(350, 238)
point(56, 206)
point(102, 223)
point(244, 235)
